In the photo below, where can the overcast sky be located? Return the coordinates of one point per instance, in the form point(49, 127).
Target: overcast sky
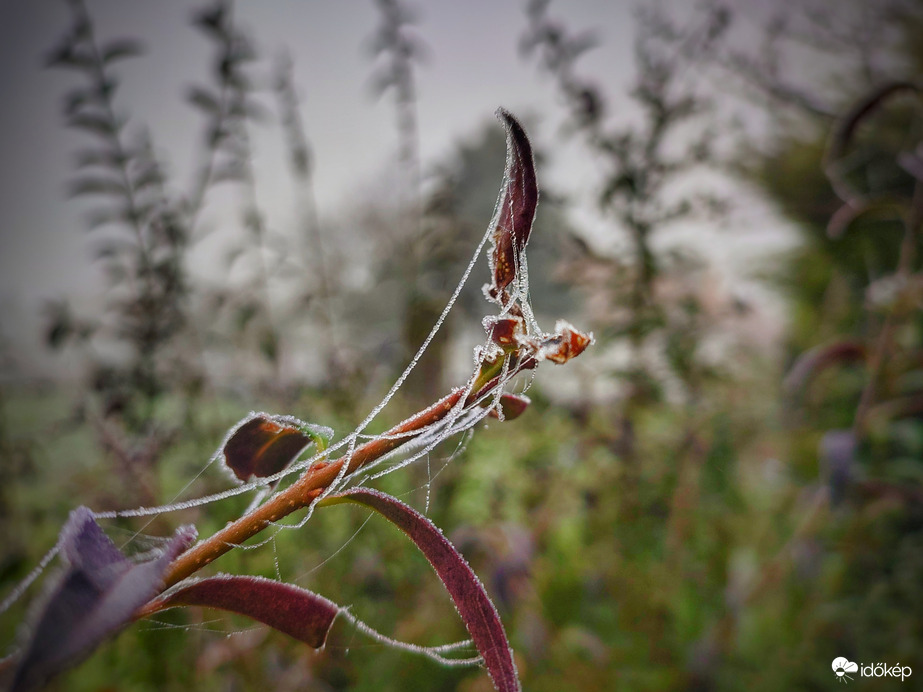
point(473, 68)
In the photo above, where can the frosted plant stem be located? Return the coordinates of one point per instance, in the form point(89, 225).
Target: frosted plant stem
point(302, 492)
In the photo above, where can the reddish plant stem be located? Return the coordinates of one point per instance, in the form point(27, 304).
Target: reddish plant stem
point(302, 492)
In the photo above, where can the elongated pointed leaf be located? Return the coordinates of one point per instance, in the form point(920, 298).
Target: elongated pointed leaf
point(263, 445)
point(297, 612)
point(515, 206)
point(474, 605)
point(97, 595)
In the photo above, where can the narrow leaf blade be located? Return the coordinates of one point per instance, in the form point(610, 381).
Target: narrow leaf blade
point(515, 206)
point(474, 605)
point(297, 612)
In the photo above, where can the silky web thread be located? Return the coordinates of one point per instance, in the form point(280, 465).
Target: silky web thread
point(442, 430)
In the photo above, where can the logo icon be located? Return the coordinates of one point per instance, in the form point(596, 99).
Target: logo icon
point(842, 666)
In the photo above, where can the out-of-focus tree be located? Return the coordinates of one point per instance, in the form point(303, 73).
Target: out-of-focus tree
point(842, 160)
point(141, 237)
point(650, 301)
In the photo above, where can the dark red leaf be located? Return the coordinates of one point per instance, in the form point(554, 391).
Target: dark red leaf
point(503, 330)
point(264, 445)
point(566, 343)
point(297, 612)
point(515, 208)
point(511, 406)
point(474, 605)
point(97, 595)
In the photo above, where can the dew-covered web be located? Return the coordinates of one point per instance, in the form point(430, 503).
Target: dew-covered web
point(419, 444)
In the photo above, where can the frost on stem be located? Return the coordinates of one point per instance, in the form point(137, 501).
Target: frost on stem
point(263, 448)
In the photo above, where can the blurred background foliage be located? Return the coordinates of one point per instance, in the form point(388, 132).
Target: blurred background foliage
point(705, 505)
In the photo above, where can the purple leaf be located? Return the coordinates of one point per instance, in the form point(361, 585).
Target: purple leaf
point(97, 595)
point(264, 445)
point(297, 612)
point(515, 207)
point(474, 605)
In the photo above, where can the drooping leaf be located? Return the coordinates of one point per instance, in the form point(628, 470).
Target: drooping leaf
point(818, 359)
point(97, 185)
point(150, 176)
point(105, 158)
point(263, 445)
point(212, 20)
point(97, 595)
point(120, 49)
point(845, 129)
point(203, 99)
point(117, 214)
point(516, 206)
point(473, 604)
point(75, 99)
point(503, 330)
point(849, 214)
point(71, 55)
point(94, 123)
point(297, 612)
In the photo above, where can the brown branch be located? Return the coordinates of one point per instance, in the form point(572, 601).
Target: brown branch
point(301, 493)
